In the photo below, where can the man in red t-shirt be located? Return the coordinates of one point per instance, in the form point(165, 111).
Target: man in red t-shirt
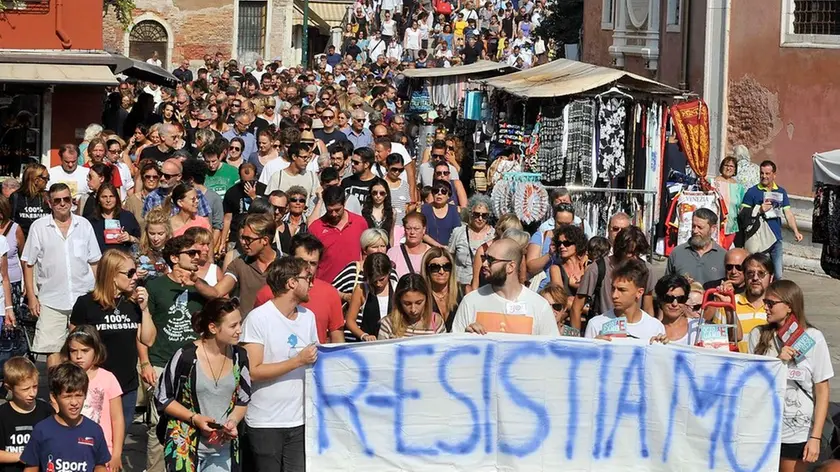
point(324, 300)
point(340, 231)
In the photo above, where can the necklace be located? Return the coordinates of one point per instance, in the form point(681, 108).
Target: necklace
point(210, 364)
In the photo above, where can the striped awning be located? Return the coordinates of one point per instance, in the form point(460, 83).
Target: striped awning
point(325, 15)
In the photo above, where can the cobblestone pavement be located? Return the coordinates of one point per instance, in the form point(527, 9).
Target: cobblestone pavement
point(822, 302)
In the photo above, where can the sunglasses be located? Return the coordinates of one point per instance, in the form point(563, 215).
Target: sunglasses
point(558, 306)
point(235, 148)
point(396, 169)
point(734, 267)
point(151, 177)
point(490, 260)
point(297, 200)
point(355, 162)
point(696, 307)
point(327, 117)
point(435, 268)
point(478, 215)
point(60, 200)
point(755, 274)
point(445, 172)
point(279, 209)
point(668, 299)
point(166, 176)
point(235, 105)
point(130, 273)
point(191, 252)
point(440, 191)
point(378, 193)
point(439, 156)
point(771, 303)
point(565, 243)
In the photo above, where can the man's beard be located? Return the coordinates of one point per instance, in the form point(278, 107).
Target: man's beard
point(755, 291)
point(497, 278)
point(698, 241)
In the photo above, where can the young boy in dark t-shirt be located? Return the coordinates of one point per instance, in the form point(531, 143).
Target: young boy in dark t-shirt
point(67, 441)
point(19, 416)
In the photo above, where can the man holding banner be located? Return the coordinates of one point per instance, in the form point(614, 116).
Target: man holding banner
point(523, 311)
point(280, 338)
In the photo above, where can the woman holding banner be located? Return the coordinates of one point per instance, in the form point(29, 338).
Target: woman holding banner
point(804, 349)
point(412, 314)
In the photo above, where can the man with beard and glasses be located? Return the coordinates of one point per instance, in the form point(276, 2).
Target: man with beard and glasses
point(280, 337)
point(749, 306)
point(340, 231)
point(701, 258)
point(504, 304)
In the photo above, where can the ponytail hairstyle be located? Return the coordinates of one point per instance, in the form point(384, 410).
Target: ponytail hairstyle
point(178, 193)
point(791, 295)
point(213, 312)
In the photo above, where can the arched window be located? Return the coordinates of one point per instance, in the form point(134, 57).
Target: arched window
point(147, 38)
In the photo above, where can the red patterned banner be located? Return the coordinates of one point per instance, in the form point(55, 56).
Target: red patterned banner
point(691, 120)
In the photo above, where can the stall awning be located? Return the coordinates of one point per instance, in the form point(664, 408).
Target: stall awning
point(827, 167)
point(563, 77)
point(324, 15)
point(142, 70)
point(478, 67)
point(56, 74)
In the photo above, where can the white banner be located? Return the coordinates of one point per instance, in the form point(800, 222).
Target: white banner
point(510, 402)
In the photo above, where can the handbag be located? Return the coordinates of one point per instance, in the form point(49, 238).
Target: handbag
point(13, 343)
point(759, 236)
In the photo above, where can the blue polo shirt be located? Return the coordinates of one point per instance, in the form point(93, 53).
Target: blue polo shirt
point(755, 196)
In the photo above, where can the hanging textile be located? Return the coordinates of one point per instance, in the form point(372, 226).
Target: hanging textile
point(691, 120)
point(683, 206)
point(550, 155)
point(579, 141)
point(612, 117)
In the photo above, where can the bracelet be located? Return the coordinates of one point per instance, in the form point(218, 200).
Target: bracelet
point(818, 439)
point(10, 308)
point(192, 417)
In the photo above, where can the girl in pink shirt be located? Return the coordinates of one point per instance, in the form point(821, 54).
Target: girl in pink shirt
point(103, 403)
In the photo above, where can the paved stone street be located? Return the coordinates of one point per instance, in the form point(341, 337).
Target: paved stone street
point(822, 302)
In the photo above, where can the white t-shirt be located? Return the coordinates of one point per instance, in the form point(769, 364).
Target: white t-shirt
point(389, 27)
point(284, 181)
point(125, 177)
point(528, 314)
point(644, 329)
point(278, 403)
point(276, 165)
point(813, 369)
point(76, 180)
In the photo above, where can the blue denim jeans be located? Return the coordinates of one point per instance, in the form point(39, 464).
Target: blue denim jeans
point(129, 401)
point(775, 253)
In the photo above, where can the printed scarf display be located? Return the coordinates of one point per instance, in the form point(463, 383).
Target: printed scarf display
point(612, 116)
point(579, 142)
point(691, 122)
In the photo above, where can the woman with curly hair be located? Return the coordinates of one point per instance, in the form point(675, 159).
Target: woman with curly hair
point(569, 250)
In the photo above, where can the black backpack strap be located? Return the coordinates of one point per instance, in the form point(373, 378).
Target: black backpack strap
point(595, 306)
point(407, 259)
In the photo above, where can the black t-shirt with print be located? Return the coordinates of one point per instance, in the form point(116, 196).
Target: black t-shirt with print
point(237, 203)
point(152, 152)
point(16, 429)
point(118, 329)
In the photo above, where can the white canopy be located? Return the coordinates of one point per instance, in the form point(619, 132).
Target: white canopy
point(827, 167)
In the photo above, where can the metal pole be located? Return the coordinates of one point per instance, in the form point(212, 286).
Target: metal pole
point(304, 55)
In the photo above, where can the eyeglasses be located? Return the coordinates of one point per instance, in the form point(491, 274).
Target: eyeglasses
point(297, 200)
point(566, 243)
point(558, 306)
point(60, 200)
point(235, 105)
point(307, 278)
point(435, 268)
point(355, 162)
point(668, 299)
point(771, 303)
point(44, 177)
point(439, 156)
point(378, 193)
point(490, 260)
point(247, 240)
point(752, 274)
point(166, 176)
point(327, 117)
point(279, 209)
point(130, 273)
point(151, 177)
point(443, 172)
point(734, 267)
point(477, 215)
point(396, 169)
point(191, 252)
point(696, 307)
point(115, 151)
point(235, 148)
point(440, 191)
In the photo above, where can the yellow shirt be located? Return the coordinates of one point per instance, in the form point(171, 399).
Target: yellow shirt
point(460, 26)
point(749, 316)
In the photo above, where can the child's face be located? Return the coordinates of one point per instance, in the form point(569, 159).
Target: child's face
point(70, 404)
point(25, 392)
point(81, 355)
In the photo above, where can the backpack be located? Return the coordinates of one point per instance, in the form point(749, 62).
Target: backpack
point(594, 300)
point(182, 375)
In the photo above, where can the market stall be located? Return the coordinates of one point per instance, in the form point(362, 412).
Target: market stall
point(826, 230)
point(598, 131)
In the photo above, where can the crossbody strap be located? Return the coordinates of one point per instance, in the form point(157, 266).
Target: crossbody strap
point(407, 259)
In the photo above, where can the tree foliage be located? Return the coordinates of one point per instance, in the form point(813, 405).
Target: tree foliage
point(564, 22)
point(123, 9)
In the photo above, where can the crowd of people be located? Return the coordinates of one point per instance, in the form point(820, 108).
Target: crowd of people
point(443, 33)
point(199, 247)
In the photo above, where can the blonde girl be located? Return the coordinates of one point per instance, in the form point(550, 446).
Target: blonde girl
point(149, 257)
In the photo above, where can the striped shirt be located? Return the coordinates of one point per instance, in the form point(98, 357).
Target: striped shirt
point(386, 330)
